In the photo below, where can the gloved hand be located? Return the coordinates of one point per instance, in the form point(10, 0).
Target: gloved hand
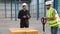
point(44, 18)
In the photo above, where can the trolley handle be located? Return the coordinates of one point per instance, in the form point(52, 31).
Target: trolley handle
point(43, 21)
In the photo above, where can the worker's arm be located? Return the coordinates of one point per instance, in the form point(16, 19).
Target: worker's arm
point(53, 15)
point(52, 18)
point(20, 15)
point(28, 15)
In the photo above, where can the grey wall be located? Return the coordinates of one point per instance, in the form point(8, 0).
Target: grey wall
point(59, 7)
point(32, 8)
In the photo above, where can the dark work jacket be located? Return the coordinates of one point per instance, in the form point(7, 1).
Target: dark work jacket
point(23, 13)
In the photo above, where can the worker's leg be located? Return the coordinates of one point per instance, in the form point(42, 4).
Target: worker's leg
point(27, 24)
point(54, 30)
point(21, 24)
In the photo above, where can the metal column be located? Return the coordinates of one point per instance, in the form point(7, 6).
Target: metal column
point(55, 4)
point(11, 9)
point(37, 11)
point(18, 5)
point(5, 8)
point(29, 7)
point(44, 8)
point(15, 10)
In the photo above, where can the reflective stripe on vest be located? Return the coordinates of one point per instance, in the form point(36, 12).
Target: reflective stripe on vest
point(53, 25)
point(49, 14)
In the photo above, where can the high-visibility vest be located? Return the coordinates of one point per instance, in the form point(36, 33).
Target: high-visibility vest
point(52, 23)
point(58, 19)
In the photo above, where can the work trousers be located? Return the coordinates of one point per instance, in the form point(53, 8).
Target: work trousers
point(24, 24)
point(54, 30)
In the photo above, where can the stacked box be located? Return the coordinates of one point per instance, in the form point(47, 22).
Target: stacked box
point(22, 31)
point(31, 31)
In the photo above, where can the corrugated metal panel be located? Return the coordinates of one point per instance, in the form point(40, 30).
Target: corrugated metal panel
point(32, 8)
point(59, 7)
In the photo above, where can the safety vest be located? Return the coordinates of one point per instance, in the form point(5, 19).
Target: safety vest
point(52, 23)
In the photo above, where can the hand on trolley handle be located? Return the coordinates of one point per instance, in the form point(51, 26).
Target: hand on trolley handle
point(43, 21)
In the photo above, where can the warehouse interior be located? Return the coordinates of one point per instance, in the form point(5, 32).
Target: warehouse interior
point(9, 14)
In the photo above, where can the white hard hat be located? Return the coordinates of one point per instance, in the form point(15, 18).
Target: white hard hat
point(49, 2)
point(24, 4)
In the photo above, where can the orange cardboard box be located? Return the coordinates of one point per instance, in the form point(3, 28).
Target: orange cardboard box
point(22, 31)
point(16, 31)
point(31, 31)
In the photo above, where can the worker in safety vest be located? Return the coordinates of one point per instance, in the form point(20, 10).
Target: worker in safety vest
point(52, 17)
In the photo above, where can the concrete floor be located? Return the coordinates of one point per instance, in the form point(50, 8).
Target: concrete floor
point(7, 23)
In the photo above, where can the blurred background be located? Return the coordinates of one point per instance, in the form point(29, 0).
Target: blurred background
point(10, 8)
point(9, 12)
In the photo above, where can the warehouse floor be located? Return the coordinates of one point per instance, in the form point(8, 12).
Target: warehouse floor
point(7, 23)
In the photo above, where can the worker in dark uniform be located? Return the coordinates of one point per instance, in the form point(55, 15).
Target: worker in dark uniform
point(24, 15)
